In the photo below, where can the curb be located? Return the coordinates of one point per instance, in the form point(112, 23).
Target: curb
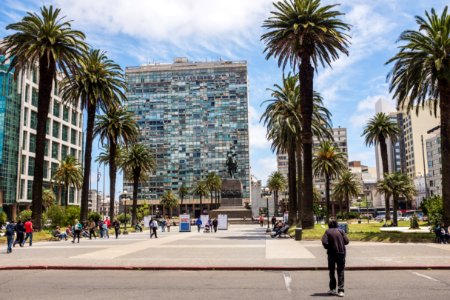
point(219, 268)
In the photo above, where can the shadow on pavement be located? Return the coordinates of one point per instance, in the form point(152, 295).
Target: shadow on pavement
point(321, 295)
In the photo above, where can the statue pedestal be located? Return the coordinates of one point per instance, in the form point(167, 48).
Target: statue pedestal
point(231, 201)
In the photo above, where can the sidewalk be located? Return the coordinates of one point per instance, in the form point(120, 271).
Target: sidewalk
point(242, 247)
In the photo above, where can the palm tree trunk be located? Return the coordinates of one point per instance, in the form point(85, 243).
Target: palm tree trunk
point(47, 70)
point(87, 160)
point(292, 175)
point(112, 176)
point(395, 207)
point(67, 195)
point(384, 160)
point(136, 175)
point(340, 206)
point(306, 98)
point(327, 197)
point(299, 208)
point(444, 103)
point(347, 202)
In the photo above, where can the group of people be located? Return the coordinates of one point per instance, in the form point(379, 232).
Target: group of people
point(154, 224)
point(209, 226)
point(279, 227)
point(442, 233)
point(21, 231)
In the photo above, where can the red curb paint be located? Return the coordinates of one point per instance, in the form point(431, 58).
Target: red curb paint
point(219, 268)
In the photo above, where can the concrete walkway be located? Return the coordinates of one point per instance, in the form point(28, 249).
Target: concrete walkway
point(241, 247)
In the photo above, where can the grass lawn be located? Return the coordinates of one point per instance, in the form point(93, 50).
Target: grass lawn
point(371, 233)
point(44, 235)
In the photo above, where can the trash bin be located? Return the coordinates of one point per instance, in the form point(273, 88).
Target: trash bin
point(298, 234)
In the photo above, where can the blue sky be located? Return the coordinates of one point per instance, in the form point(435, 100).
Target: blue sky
point(134, 32)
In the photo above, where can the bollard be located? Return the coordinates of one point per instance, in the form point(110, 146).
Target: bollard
point(298, 234)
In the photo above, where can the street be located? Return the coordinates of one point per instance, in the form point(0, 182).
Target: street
point(54, 284)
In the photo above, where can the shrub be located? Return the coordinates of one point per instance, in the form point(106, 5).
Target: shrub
point(44, 219)
point(142, 211)
point(57, 215)
point(93, 215)
point(122, 218)
point(433, 208)
point(345, 216)
point(24, 215)
point(72, 213)
point(3, 218)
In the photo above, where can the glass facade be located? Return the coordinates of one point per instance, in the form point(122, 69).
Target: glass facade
point(190, 115)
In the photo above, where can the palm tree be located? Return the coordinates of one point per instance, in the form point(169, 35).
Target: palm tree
point(183, 191)
point(201, 190)
point(48, 198)
point(421, 74)
point(329, 162)
point(377, 131)
point(99, 84)
point(306, 35)
point(347, 186)
point(49, 41)
point(210, 184)
point(68, 173)
point(138, 163)
point(283, 119)
point(169, 200)
point(115, 128)
point(397, 185)
point(276, 182)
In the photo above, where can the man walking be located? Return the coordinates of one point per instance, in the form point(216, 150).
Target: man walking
point(334, 240)
point(20, 229)
point(10, 236)
point(153, 228)
point(28, 232)
point(116, 225)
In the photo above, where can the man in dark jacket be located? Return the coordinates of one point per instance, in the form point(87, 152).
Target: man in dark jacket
point(20, 229)
point(10, 236)
point(334, 240)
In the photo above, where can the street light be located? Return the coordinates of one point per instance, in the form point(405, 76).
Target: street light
point(124, 198)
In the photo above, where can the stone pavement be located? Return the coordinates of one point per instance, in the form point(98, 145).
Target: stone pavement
point(240, 247)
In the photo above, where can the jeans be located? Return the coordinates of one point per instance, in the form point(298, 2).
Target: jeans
point(199, 227)
point(92, 233)
point(117, 232)
point(339, 260)
point(19, 239)
point(28, 235)
point(9, 240)
point(153, 232)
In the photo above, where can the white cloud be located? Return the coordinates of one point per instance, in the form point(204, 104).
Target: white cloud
point(264, 167)
point(257, 134)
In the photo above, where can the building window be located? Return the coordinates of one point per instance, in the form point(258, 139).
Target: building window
point(65, 133)
point(55, 149)
point(29, 189)
point(32, 143)
point(66, 113)
point(73, 136)
point(34, 97)
point(55, 129)
point(56, 109)
point(74, 117)
point(33, 120)
point(64, 151)
point(30, 166)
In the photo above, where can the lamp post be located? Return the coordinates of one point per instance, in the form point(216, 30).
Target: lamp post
point(124, 198)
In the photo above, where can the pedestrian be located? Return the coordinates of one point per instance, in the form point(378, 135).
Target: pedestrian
point(334, 240)
point(92, 226)
point(20, 229)
point(162, 223)
point(261, 220)
point(100, 228)
point(28, 232)
point(273, 220)
point(105, 230)
point(214, 224)
point(168, 224)
point(10, 228)
point(153, 228)
point(116, 225)
point(77, 230)
point(199, 224)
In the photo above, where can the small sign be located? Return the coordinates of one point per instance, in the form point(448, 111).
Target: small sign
point(185, 223)
point(222, 222)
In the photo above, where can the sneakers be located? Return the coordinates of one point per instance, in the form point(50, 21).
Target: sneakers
point(340, 294)
point(332, 292)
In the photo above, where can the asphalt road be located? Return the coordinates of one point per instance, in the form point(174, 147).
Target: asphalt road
point(187, 285)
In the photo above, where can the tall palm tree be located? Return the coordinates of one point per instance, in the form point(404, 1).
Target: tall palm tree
point(211, 184)
point(68, 173)
point(397, 185)
point(169, 200)
point(329, 162)
point(306, 35)
point(421, 73)
point(378, 130)
point(283, 120)
point(99, 84)
point(346, 186)
point(115, 128)
point(138, 163)
point(49, 41)
point(183, 191)
point(276, 182)
point(48, 198)
point(201, 190)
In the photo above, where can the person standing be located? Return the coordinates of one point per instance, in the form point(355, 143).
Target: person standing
point(77, 230)
point(199, 224)
point(153, 228)
point(261, 220)
point(274, 221)
point(28, 232)
point(100, 228)
point(168, 224)
point(163, 225)
point(20, 229)
point(334, 240)
point(10, 236)
point(116, 225)
point(214, 224)
point(105, 230)
point(92, 226)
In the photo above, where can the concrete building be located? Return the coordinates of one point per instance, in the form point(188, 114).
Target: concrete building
point(434, 174)
point(282, 164)
point(368, 179)
point(191, 114)
point(18, 120)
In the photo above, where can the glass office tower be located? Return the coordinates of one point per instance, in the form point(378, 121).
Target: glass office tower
point(190, 115)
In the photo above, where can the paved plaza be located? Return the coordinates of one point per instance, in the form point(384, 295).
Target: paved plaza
point(240, 247)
